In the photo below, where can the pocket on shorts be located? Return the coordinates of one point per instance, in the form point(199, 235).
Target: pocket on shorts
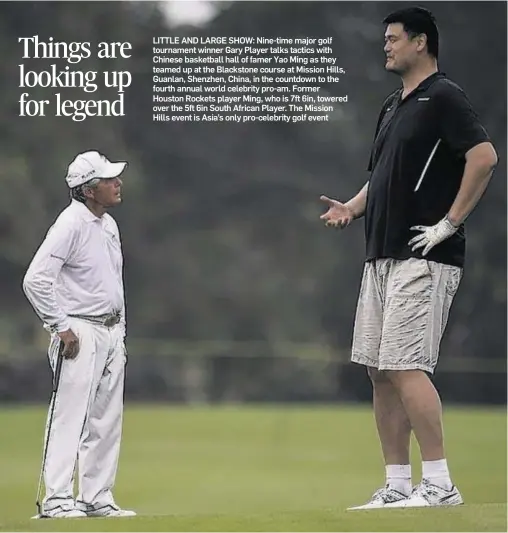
point(453, 281)
point(411, 278)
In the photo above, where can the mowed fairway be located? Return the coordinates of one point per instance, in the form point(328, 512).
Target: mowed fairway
point(261, 469)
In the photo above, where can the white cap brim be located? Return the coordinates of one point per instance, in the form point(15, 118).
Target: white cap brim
point(113, 170)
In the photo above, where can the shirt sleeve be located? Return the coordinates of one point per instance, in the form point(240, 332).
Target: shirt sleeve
point(38, 283)
point(371, 157)
point(460, 125)
point(123, 322)
point(378, 126)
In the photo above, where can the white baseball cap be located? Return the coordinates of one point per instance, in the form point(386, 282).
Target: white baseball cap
point(89, 165)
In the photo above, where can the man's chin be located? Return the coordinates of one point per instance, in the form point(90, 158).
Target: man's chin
point(115, 202)
point(392, 68)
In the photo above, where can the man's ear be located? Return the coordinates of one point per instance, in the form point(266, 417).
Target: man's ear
point(421, 41)
point(88, 192)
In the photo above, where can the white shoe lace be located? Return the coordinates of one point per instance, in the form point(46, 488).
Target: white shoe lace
point(425, 490)
point(384, 494)
point(378, 494)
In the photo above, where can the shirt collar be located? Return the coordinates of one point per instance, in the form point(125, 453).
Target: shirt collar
point(429, 80)
point(423, 86)
point(84, 212)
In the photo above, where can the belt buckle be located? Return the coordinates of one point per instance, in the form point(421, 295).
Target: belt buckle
point(111, 320)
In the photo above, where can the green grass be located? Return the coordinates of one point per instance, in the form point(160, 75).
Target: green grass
point(261, 469)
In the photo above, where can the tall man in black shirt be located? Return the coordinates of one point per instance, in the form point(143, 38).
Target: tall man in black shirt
point(430, 163)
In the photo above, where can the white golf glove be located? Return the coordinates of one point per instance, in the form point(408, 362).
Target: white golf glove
point(432, 235)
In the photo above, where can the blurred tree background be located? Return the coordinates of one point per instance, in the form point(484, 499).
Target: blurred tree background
point(235, 290)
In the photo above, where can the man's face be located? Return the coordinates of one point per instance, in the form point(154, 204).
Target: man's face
point(401, 51)
point(107, 193)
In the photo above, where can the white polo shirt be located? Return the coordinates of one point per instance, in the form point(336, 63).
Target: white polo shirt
point(78, 269)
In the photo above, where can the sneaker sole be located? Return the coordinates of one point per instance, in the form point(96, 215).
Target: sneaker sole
point(367, 507)
point(446, 504)
point(43, 517)
point(425, 506)
point(110, 515)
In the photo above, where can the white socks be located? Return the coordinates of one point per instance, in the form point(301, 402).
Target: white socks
point(398, 477)
point(436, 472)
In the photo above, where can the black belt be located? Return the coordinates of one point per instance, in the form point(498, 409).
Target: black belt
point(109, 319)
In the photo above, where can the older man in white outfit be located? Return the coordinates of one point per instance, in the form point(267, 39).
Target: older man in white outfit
point(75, 285)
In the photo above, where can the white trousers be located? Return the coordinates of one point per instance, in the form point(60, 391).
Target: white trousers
point(87, 418)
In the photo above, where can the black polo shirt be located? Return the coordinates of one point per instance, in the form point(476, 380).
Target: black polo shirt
point(416, 164)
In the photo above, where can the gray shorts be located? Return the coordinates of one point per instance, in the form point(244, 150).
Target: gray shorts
point(402, 312)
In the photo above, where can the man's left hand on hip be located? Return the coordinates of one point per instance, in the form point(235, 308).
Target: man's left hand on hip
point(432, 235)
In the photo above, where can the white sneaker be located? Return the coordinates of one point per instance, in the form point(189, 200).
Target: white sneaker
point(381, 498)
point(427, 495)
point(107, 511)
point(61, 513)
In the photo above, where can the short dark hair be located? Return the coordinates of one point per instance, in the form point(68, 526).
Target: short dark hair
point(417, 20)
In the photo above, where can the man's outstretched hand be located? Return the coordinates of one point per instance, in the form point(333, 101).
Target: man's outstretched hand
point(339, 215)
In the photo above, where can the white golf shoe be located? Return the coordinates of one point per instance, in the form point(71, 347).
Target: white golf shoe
point(381, 498)
point(427, 495)
point(61, 513)
point(106, 511)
